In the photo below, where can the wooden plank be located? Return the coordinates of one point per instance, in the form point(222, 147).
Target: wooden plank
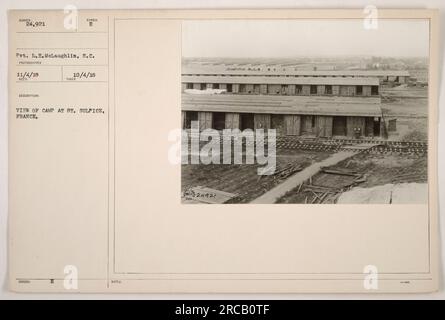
point(306, 90)
point(205, 120)
point(351, 91)
point(284, 89)
point(262, 121)
point(229, 120)
point(292, 125)
point(277, 122)
point(232, 120)
point(274, 88)
point(263, 88)
point(182, 119)
point(369, 127)
point(329, 124)
point(324, 126)
point(367, 91)
point(306, 124)
point(340, 172)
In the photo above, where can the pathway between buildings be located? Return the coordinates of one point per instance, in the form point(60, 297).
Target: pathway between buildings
point(293, 181)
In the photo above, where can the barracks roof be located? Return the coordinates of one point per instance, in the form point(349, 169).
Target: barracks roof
point(314, 105)
point(214, 70)
point(282, 80)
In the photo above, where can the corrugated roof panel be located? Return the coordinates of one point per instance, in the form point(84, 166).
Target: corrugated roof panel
point(282, 80)
point(193, 70)
point(369, 107)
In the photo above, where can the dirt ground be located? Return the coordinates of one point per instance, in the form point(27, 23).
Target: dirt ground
point(410, 107)
point(372, 170)
point(411, 129)
point(243, 179)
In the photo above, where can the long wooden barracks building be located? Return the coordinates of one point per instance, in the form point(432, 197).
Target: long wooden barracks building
point(322, 106)
point(395, 76)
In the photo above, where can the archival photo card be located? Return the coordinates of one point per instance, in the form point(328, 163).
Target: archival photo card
point(124, 124)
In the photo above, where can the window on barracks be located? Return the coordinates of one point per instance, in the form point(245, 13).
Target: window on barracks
point(375, 90)
point(189, 85)
point(313, 89)
point(328, 89)
point(359, 90)
point(284, 89)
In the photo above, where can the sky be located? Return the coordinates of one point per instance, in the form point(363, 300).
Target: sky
point(292, 38)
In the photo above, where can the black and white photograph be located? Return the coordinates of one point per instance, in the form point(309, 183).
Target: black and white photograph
point(305, 111)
